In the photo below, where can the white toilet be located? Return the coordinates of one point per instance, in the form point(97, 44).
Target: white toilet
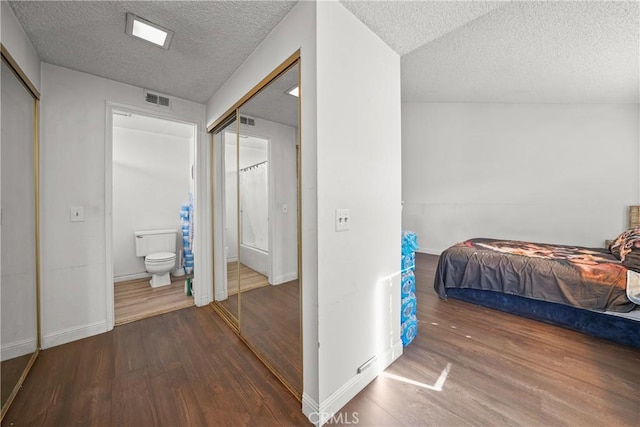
point(158, 247)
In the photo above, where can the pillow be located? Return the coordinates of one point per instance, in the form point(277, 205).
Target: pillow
point(630, 251)
point(618, 243)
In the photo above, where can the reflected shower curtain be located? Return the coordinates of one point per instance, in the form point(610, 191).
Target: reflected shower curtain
point(254, 206)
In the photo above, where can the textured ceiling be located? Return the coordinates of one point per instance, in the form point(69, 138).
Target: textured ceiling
point(212, 39)
point(532, 52)
point(274, 103)
point(407, 25)
point(452, 51)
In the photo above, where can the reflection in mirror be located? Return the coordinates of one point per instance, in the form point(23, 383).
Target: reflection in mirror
point(268, 250)
point(254, 208)
point(19, 319)
point(254, 211)
point(225, 145)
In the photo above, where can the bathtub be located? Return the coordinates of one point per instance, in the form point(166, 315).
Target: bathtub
point(254, 258)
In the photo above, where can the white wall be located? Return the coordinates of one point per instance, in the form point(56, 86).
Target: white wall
point(151, 180)
point(556, 173)
point(73, 123)
point(284, 191)
point(18, 45)
point(359, 168)
point(231, 194)
point(295, 31)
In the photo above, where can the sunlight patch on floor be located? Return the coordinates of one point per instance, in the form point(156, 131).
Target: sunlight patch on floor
point(436, 387)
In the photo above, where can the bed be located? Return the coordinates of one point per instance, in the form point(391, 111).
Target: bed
point(595, 291)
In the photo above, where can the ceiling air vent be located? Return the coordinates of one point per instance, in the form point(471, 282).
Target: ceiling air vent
point(157, 99)
point(247, 121)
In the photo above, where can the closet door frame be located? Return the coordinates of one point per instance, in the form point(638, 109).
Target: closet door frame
point(12, 64)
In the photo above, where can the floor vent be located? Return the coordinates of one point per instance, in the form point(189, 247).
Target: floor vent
point(247, 121)
point(157, 99)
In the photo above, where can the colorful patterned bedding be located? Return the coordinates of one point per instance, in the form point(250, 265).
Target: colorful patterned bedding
point(580, 277)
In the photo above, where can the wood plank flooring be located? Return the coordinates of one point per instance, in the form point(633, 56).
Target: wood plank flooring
point(11, 371)
point(271, 323)
point(249, 279)
point(184, 368)
point(136, 299)
point(505, 370)
point(270, 320)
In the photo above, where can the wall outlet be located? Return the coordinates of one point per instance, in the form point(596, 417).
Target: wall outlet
point(76, 213)
point(342, 220)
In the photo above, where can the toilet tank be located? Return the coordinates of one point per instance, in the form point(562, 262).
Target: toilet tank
point(151, 241)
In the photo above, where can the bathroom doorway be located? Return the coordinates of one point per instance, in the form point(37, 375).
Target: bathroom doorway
point(153, 188)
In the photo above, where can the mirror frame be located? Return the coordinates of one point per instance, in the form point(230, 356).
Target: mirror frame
point(233, 113)
point(12, 64)
point(230, 123)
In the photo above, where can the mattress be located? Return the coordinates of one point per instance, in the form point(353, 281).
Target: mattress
point(587, 278)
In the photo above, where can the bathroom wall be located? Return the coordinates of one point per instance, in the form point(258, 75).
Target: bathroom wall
point(248, 156)
point(151, 179)
point(282, 168)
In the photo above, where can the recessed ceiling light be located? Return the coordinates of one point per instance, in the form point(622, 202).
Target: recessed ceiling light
point(294, 91)
point(148, 31)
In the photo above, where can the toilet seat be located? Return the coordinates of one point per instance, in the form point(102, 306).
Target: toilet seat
point(160, 257)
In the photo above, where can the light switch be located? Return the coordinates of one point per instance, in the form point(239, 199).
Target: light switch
point(342, 219)
point(76, 213)
point(285, 208)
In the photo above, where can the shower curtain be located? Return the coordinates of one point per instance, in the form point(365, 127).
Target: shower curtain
point(254, 207)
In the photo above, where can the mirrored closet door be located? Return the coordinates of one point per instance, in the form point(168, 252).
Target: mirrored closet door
point(19, 337)
point(268, 191)
point(261, 224)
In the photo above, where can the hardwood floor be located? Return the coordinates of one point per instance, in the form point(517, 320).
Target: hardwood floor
point(184, 368)
point(249, 279)
point(136, 299)
point(270, 320)
point(505, 370)
point(12, 370)
point(188, 368)
point(271, 323)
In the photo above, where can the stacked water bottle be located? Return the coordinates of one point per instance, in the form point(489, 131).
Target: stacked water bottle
point(186, 211)
point(409, 328)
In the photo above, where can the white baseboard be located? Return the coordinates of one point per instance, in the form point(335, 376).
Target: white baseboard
point(330, 407)
point(18, 348)
point(284, 278)
point(310, 407)
point(73, 334)
point(128, 277)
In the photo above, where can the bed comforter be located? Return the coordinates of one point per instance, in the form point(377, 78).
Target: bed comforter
point(588, 278)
